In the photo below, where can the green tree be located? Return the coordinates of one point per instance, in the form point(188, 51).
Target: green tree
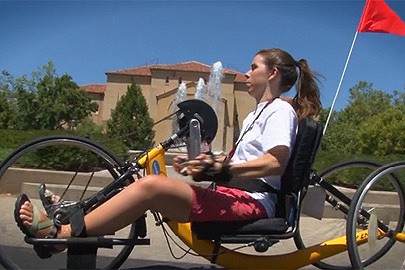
point(130, 120)
point(8, 105)
point(383, 134)
point(343, 133)
point(399, 99)
point(61, 102)
point(6, 111)
point(46, 101)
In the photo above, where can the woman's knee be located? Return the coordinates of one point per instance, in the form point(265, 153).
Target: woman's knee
point(150, 183)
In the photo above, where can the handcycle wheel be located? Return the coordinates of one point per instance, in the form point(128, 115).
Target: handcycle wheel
point(383, 180)
point(73, 168)
point(312, 231)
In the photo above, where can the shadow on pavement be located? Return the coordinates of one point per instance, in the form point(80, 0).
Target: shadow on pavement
point(26, 259)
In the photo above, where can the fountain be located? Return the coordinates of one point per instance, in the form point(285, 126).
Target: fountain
point(214, 86)
point(180, 96)
point(199, 91)
point(181, 93)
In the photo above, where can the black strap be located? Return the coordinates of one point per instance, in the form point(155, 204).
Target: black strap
point(247, 129)
point(251, 185)
point(77, 224)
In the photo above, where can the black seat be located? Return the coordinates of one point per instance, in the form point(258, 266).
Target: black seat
point(293, 188)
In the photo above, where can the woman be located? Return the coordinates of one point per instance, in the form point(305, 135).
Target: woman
point(259, 156)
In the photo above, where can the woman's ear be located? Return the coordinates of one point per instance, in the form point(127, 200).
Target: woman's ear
point(274, 72)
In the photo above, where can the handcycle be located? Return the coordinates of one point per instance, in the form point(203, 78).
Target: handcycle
point(97, 174)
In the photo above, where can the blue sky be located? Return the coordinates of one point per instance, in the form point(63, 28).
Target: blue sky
point(85, 39)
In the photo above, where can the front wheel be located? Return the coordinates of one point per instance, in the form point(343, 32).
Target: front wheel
point(386, 215)
point(73, 168)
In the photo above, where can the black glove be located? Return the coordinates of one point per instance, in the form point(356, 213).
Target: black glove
point(210, 173)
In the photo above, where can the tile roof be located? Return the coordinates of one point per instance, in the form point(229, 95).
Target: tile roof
point(185, 66)
point(94, 88)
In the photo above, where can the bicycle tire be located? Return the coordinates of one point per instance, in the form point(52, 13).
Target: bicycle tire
point(369, 186)
point(331, 263)
point(91, 151)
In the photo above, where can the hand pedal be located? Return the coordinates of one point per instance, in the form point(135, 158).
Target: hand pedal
point(194, 143)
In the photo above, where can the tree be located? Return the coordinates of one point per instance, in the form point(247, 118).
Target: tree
point(8, 101)
point(343, 134)
point(6, 112)
point(383, 134)
point(61, 102)
point(46, 101)
point(130, 120)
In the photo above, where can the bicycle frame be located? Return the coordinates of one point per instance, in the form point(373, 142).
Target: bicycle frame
point(232, 259)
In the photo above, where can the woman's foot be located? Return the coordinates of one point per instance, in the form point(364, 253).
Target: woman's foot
point(34, 223)
point(28, 219)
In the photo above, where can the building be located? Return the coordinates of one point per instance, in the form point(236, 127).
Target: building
point(160, 83)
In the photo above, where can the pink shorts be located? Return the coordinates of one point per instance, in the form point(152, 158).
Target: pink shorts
point(224, 204)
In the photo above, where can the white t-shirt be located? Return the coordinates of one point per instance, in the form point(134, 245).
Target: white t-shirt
point(276, 126)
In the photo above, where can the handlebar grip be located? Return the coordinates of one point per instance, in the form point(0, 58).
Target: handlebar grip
point(194, 143)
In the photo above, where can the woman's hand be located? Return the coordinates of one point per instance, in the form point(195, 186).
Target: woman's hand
point(179, 163)
point(200, 163)
point(203, 168)
point(184, 166)
point(209, 168)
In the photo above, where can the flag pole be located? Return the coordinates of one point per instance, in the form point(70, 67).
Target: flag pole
point(340, 83)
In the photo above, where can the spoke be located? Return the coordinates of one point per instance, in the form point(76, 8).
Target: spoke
point(87, 185)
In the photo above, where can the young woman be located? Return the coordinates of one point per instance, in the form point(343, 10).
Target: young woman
point(245, 178)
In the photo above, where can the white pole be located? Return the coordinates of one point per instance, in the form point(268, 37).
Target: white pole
point(340, 83)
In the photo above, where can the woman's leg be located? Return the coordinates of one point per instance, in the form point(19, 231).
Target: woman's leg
point(172, 198)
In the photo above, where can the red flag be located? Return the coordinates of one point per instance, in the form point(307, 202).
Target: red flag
point(379, 17)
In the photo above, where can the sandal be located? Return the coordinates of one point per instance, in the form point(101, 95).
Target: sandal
point(43, 251)
point(49, 200)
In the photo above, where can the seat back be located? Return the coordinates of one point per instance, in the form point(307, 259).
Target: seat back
point(295, 180)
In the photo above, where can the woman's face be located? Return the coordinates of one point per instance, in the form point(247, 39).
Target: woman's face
point(257, 78)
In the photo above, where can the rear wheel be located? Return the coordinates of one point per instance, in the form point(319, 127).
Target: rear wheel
point(73, 168)
point(333, 222)
point(387, 215)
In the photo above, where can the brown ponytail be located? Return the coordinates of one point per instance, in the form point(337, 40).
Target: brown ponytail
point(306, 102)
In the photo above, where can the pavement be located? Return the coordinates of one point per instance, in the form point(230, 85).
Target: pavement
point(157, 255)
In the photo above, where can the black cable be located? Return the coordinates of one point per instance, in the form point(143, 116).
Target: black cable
point(131, 133)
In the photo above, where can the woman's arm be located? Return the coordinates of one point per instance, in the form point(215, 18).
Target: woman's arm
point(271, 163)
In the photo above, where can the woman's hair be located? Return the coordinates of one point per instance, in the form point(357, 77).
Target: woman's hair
point(306, 101)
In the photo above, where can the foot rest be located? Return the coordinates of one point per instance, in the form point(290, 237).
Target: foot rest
point(216, 229)
point(79, 257)
point(99, 241)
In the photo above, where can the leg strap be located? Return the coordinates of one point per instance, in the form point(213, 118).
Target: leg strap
point(77, 225)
